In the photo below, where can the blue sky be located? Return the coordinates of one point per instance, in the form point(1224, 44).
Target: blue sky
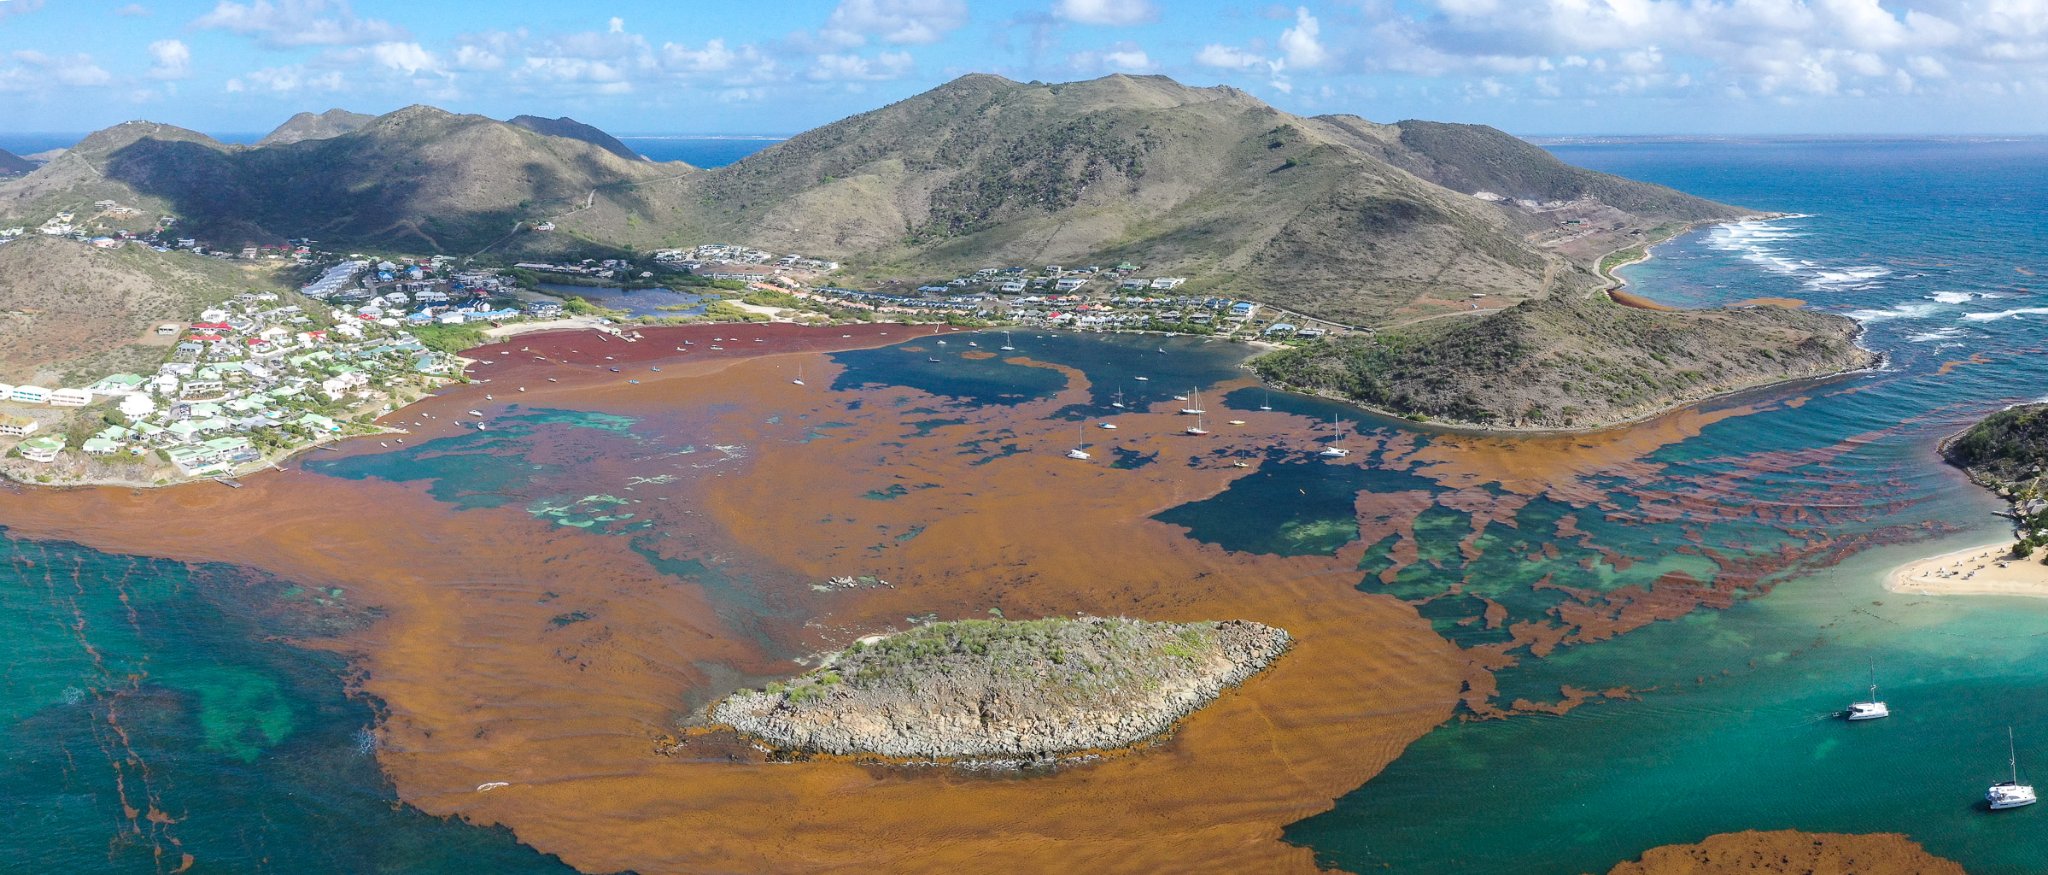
point(1529, 66)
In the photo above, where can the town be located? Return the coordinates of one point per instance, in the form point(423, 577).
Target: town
point(264, 375)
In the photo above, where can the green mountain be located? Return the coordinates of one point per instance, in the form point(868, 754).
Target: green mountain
point(1335, 216)
point(419, 178)
point(1332, 216)
point(74, 312)
point(2005, 450)
point(1570, 362)
point(575, 130)
point(309, 126)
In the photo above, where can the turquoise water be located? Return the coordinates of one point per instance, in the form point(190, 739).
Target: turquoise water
point(1931, 246)
point(146, 684)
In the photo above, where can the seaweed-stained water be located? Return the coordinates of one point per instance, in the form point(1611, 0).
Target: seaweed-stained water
point(1651, 624)
point(150, 724)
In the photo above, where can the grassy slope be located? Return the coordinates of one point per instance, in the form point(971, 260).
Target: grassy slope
point(1569, 362)
point(418, 179)
point(1209, 183)
point(74, 312)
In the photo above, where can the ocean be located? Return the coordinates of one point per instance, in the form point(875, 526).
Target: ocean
point(141, 687)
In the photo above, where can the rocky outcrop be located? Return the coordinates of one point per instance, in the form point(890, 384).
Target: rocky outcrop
point(1005, 690)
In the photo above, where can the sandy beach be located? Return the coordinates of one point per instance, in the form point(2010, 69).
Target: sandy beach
point(1987, 569)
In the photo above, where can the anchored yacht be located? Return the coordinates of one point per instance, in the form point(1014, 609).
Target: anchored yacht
point(1873, 709)
point(2010, 794)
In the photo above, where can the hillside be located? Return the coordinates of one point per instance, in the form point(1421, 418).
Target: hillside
point(419, 178)
point(1570, 362)
point(997, 689)
point(11, 163)
point(1334, 216)
point(575, 130)
point(309, 126)
point(2005, 450)
point(69, 310)
point(1326, 215)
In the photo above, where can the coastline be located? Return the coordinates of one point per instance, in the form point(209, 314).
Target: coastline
point(1472, 428)
point(1986, 569)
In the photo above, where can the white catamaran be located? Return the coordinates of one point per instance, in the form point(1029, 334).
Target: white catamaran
point(1336, 448)
point(2010, 794)
point(1873, 709)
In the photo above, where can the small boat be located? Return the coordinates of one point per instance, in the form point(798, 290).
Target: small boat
point(632, 382)
point(799, 376)
point(973, 344)
point(1872, 710)
point(479, 426)
point(488, 398)
point(477, 414)
point(1268, 403)
point(1240, 464)
point(1006, 347)
point(1194, 407)
point(615, 370)
point(1142, 379)
point(1119, 402)
point(656, 370)
point(1336, 448)
point(942, 343)
point(1162, 350)
point(383, 444)
point(1077, 452)
point(2010, 794)
point(1180, 397)
point(553, 380)
point(680, 349)
point(1197, 428)
point(522, 388)
point(757, 340)
point(1111, 426)
point(1237, 422)
point(933, 359)
point(717, 347)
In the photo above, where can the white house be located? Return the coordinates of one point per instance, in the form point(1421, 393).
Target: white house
point(18, 426)
point(29, 395)
point(137, 406)
point(42, 449)
point(70, 398)
point(335, 387)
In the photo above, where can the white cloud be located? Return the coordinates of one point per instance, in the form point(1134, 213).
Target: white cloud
point(1300, 44)
point(1225, 57)
point(16, 7)
point(285, 80)
point(896, 22)
point(855, 68)
point(1106, 12)
point(170, 59)
point(1122, 58)
point(409, 58)
point(295, 23)
point(30, 70)
point(132, 10)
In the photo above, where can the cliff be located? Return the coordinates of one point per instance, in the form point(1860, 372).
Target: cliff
point(1003, 690)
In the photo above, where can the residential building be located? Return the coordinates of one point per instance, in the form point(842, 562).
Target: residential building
point(18, 426)
point(42, 449)
point(70, 397)
point(29, 395)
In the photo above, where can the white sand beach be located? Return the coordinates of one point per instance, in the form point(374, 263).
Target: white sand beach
point(1988, 569)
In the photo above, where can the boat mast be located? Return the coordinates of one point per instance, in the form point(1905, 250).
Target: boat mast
point(2012, 755)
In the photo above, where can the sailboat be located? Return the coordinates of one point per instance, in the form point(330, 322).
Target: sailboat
point(1119, 402)
point(1194, 406)
point(1077, 452)
point(2010, 794)
point(1006, 342)
point(799, 375)
point(1873, 709)
point(1197, 428)
point(1268, 403)
point(1336, 448)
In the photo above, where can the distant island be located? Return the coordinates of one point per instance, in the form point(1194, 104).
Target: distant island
point(1005, 690)
point(1569, 363)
